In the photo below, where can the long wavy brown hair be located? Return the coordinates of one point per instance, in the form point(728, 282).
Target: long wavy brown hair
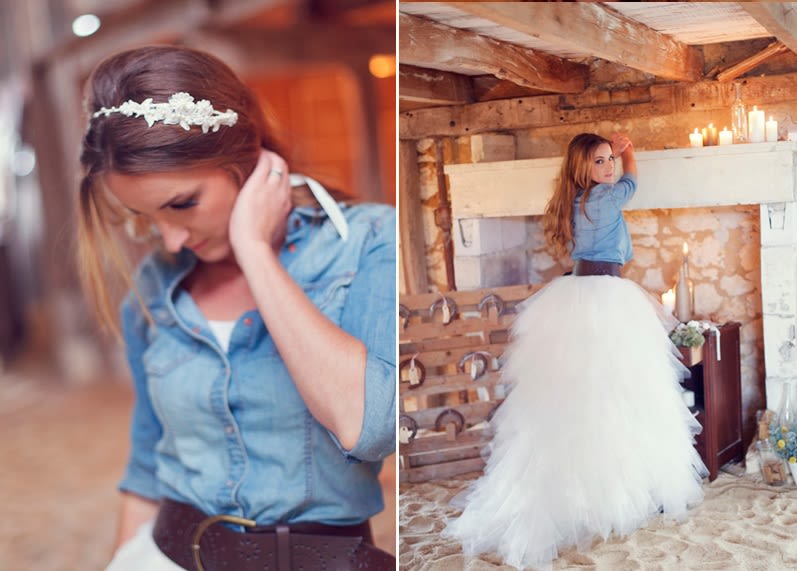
point(126, 145)
point(575, 175)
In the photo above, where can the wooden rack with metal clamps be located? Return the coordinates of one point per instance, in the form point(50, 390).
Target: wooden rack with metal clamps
point(450, 347)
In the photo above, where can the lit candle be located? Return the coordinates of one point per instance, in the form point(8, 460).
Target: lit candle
point(686, 253)
point(695, 139)
point(726, 137)
point(771, 130)
point(755, 125)
point(668, 300)
point(710, 135)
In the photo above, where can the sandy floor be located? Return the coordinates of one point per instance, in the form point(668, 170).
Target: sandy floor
point(742, 525)
point(62, 453)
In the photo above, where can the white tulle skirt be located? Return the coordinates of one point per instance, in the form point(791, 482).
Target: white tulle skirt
point(593, 437)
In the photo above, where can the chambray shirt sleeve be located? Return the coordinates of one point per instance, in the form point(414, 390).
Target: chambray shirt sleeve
point(145, 428)
point(370, 315)
point(624, 189)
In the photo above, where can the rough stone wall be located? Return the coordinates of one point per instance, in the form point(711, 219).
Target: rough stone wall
point(724, 264)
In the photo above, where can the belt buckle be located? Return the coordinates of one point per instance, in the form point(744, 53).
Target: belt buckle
point(205, 524)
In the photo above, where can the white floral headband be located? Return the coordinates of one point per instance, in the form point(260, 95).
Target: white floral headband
point(181, 109)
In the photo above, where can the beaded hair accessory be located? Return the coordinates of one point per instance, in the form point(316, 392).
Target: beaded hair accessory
point(181, 109)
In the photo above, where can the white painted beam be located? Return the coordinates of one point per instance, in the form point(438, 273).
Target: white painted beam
point(757, 173)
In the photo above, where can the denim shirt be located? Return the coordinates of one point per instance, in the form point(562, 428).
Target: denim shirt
point(603, 235)
point(229, 432)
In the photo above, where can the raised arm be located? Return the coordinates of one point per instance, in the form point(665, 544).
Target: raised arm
point(327, 363)
point(622, 147)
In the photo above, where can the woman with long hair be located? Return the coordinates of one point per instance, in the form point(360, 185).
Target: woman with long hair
point(594, 437)
point(259, 330)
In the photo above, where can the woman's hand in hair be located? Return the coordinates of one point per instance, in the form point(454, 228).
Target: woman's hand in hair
point(260, 214)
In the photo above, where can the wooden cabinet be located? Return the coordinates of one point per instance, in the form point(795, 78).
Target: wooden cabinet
point(716, 382)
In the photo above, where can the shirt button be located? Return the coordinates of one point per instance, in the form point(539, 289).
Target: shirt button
point(291, 248)
point(248, 321)
point(230, 483)
point(229, 430)
point(196, 329)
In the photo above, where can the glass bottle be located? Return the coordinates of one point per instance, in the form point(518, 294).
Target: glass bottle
point(684, 295)
point(739, 116)
point(787, 415)
point(773, 468)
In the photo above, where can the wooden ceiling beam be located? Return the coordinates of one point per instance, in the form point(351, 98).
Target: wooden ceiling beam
point(591, 107)
point(592, 28)
point(427, 44)
point(488, 87)
point(779, 18)
point(433, 87)
point(747, 64)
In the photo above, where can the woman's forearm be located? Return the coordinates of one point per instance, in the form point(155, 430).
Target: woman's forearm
point(629, 161)
point(326, 364)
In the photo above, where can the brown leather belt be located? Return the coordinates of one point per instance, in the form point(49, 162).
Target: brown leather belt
point(590, 268)
point(200, 543)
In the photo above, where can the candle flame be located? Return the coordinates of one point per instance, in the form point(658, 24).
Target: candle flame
point(711, 125)
point(695, 130)
point(686, 248)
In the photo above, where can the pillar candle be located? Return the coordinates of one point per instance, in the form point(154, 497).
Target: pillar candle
point(668, 300)
point(771, 130)
point(695, 139)
point(710, 135)
point(726, 137)
point(755, 125)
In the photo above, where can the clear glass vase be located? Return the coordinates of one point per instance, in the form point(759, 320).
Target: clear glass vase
point(739, 116)
point(787, 415)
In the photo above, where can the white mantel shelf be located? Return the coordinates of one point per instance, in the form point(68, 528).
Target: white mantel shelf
point(754, 173)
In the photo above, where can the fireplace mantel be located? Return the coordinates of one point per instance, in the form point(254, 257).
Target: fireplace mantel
point(755, 173)
point(487, 198)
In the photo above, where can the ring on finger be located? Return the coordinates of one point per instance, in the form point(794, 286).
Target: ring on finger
point(276, 172)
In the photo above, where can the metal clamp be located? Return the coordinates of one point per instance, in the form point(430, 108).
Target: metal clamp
point(416, 378)
point(404, 313)
point(475, 372)
point(448, 307)
point(408, 423)
point(205, 524)
point(450, 416)
point(495, 301)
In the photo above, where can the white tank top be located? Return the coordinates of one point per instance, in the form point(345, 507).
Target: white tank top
point(222, 330)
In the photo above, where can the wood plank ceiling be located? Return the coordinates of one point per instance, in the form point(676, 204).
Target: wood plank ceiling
point(464, 52)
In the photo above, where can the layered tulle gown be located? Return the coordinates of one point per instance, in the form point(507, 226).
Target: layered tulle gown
point(594, 437)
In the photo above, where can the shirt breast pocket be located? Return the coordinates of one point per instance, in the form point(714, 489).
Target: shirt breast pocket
point(165, 354)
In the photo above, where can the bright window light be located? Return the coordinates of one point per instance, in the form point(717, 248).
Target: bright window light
point(85, 25)
point(382, 66)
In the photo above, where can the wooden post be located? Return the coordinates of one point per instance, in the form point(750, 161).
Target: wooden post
point(413, 248)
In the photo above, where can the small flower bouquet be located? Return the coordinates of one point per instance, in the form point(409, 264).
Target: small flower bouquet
point(688, 337)
point(784, 441)
point(689, 334)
